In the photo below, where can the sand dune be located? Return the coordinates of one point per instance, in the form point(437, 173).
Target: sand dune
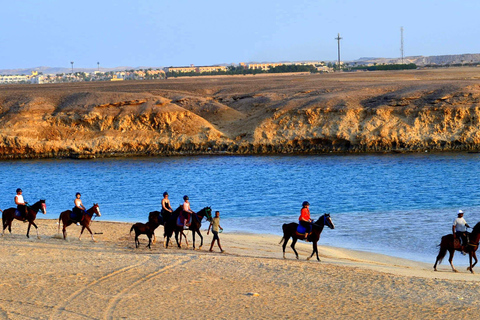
point(50, 278)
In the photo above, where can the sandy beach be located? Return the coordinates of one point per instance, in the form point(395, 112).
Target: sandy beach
point(50, 278)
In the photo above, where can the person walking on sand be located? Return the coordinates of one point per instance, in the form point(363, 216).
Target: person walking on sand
point(215, 226)
point(21, 204)
point(304, 219)
point(459, 229)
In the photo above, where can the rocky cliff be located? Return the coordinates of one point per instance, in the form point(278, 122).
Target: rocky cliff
point(361, 112)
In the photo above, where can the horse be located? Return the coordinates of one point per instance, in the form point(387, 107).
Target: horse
point(85, 223)
point(159, 217)
point(448, 244)
point(143, 228)
point(290, 231)
point(171, 225)
point(8, 215)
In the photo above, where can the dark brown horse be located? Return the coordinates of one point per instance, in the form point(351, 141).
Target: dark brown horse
point(85, 222)
point(171, 225)
point(157, 218)
point(9, 215)
point(448, 244)
point(143, 228)
point(290, 231)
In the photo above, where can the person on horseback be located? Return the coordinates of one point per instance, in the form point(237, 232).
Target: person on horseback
point(459, 229)
point(21, 204)
point(79, 209)
point(166, 203)
point(304, 219)
point(187, 210)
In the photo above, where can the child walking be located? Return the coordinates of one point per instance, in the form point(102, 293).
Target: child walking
point(215, 225)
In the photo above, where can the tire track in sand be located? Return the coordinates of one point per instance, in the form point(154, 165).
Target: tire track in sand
point(108, 314)
point(60, 307)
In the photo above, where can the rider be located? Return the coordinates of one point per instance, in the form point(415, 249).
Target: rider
point(166, 203)
point(304, 218)
point(459, 229)
point(21, 204)
point(79, 209)
point(186, 208)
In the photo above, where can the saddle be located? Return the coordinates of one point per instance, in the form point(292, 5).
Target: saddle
point(18, 214)
point(181, 219)
point(457, 246)
point(301, 232)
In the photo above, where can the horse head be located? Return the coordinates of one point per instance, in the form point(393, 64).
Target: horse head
point(43, 206)
point(96, 209)
point(325, 220)
point(39, 206)
point(206, 212)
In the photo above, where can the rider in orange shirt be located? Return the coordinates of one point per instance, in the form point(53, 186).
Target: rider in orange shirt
point(304, 218)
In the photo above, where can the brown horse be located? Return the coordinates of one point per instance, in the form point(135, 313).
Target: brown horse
point(87, 219)
point(8, 215)
point(448, 244)
point(143, 228)
point(290, 231)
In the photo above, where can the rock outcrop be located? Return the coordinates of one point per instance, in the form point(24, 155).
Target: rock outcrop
point(362, 112)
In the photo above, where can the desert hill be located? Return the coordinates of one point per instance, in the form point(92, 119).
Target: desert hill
point(436, 110)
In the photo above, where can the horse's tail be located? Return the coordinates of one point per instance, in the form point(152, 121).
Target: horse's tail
point(131, 229)
point(283, 238)
point(442, 252)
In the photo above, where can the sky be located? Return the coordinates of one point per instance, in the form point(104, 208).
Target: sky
point(159, 33)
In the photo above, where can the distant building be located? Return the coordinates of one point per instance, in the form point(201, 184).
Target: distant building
point(264, 66)
point(181, 69)
point(211, 69)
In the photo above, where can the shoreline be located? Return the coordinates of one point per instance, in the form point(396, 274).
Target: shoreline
point(328, 253)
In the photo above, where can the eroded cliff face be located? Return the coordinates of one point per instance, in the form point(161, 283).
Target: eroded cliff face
point(302, 114)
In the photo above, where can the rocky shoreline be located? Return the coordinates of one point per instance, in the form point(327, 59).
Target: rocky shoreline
point(407, 111)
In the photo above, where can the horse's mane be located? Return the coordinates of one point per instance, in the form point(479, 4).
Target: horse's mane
point(476, 229)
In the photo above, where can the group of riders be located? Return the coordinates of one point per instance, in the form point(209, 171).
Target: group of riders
point(78, 211)
point(185, 214)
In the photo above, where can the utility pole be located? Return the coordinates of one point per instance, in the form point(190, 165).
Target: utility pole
point(338, 38)
point(72, 66)
point(98, 66)
point(401, 42)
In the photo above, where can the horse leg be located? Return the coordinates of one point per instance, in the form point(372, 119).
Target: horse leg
point(450, 259)
point(91, 233)
point(28, 229)
point(137, 242)
point(285, 241)
point(315, 250)
point(193, 236)
point(176, 238)
point(149, 240)
point(36, 228)
point(294, 240)
point(80, 236)
point(201, 239)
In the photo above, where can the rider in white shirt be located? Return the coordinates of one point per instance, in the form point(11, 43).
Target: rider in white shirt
point(186, 208)
point(459, 229)
point(21, 204)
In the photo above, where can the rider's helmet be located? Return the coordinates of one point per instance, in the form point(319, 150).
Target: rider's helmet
point(185, 197)
point(19, 190)
point(77, 194)
point(305, 203)
point(165, 193)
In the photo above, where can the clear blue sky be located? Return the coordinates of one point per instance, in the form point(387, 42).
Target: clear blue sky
point(182, 32)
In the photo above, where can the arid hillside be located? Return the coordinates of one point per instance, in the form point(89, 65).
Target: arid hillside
point(417, 110)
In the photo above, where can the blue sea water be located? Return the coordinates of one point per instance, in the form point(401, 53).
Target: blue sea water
point(397, 204)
